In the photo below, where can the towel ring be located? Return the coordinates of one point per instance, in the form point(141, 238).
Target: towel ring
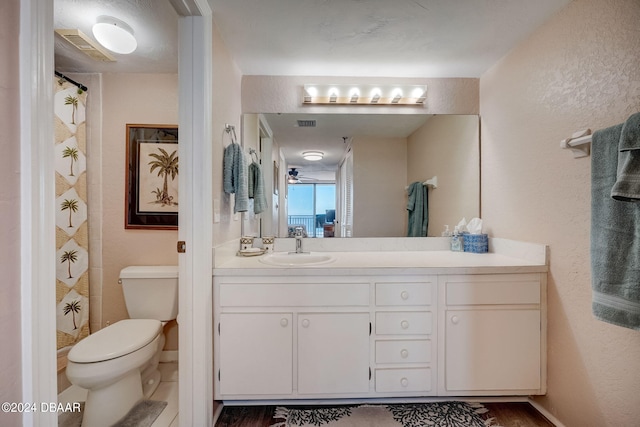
point(231, 130)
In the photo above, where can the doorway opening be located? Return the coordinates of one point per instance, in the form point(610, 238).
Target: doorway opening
point(312, 206)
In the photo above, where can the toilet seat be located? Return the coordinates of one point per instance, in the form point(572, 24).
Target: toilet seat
point(117, 340)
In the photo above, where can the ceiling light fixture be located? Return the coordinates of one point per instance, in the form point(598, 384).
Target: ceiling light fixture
point(322, 94)
point(313, 155)
point(114, 35)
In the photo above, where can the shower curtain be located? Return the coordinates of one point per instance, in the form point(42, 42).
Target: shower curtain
point(72, 241)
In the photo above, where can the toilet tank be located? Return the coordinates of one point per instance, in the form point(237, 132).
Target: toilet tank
point(151, 292)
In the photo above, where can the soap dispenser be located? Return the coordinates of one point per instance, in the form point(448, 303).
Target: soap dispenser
point(446, 232)
point(456, 240)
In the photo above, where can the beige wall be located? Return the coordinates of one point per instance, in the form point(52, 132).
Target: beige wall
point(446, 146)
point(226, 109)
point(379, 181)
point(580, 70)
point(10, 365)
point(134, 99)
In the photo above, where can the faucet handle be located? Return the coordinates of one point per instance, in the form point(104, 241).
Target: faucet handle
point(298, 231)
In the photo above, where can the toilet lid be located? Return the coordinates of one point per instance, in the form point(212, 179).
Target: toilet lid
point(119, 339)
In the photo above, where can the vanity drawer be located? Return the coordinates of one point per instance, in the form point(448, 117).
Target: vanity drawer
point(294, 295)
point(493, 289)
point(398, 380)
point(403, 351)
point(403, 322)
point(402, 294)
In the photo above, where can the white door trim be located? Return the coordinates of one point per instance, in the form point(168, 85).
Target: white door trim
point(37, 207)
point(196, 221)
point(37, 204)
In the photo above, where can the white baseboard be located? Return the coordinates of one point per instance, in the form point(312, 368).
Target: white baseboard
point(546, 413)
point(169, 356)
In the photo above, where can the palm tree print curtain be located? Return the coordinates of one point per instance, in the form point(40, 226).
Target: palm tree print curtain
point(72, 238)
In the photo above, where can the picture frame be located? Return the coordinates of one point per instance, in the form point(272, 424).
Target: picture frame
point(151, 177)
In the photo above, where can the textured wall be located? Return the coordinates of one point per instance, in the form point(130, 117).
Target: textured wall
point(134, 99)
point(447, 147)
point(10, 364)
point(379, 179)
point(226, 109)
point(579, 70)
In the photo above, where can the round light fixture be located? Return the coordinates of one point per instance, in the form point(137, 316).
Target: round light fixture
point(313, 155)
point(114, 35)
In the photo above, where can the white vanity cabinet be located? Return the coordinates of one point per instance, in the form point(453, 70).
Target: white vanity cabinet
point(243, 336)
point(493, 334)
point(405, 336)
point(321, 334)
point(291, 338)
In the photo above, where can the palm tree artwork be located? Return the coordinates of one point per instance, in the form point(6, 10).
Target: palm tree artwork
point(167, 165)
point(72, 153)
point(73, 101)
point(69, 257)
point(71, 206)
point(73, 308)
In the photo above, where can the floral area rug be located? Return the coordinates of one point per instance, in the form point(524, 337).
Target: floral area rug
point(436, 414)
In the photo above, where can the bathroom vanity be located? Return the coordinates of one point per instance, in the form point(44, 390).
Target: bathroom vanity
point(381, 324)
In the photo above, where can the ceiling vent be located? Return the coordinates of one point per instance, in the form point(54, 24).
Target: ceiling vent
point(84, 44)
point(306, 123)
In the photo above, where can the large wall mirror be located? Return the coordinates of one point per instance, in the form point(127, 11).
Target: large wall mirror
point(359, 186)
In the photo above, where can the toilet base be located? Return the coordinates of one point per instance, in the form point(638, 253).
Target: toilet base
point(151, 384)
point(106, 406)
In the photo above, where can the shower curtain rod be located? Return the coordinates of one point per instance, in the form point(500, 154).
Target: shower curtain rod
point(73, 82)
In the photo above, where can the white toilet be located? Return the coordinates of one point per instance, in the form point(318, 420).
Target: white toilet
point(118, 365)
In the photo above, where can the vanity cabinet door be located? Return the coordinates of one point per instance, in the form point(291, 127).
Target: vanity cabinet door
point(489, 350)
point(333, 353)
point(255, 353)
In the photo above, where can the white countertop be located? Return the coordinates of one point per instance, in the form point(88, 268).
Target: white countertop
point(387, 262)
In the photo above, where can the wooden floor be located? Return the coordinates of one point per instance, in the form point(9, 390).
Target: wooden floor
point(520, 414)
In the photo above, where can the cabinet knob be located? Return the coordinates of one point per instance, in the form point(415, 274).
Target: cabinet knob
point(404, 353)
point(404, 324)
point(404, 295)
point(284, 322)
point(305, 323)
point(404, 382)
point(455, 320)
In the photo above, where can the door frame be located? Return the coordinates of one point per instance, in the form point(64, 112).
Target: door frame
point(37, 206)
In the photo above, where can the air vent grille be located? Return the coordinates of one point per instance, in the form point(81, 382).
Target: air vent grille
point(84, 44)
point(306, 123)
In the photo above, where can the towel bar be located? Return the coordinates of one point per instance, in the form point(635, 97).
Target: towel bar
point(579, 143)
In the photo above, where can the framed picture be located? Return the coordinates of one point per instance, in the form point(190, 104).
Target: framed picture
point(151, 199)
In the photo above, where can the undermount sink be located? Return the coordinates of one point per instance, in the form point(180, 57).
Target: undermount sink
point(292, 259)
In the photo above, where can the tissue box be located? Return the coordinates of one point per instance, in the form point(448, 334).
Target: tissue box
point(476, 243)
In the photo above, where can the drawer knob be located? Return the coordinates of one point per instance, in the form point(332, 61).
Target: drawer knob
point(404, 295)
point(284, 322)
point(404, 353)
point(455, 320)
point(305, 323)
point(404, 382)
point(404, 324)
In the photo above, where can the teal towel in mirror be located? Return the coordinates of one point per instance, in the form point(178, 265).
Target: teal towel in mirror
point(418, 207)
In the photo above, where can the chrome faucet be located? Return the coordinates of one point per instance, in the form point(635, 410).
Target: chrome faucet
point(298, 236)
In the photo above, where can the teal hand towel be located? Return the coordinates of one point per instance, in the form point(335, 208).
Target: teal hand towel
point(256, 188)
point(234, 176)
point(627, 185)
point(615, 238)
point(417, 206)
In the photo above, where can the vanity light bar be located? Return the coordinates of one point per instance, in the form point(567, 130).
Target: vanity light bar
point(364, 94)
